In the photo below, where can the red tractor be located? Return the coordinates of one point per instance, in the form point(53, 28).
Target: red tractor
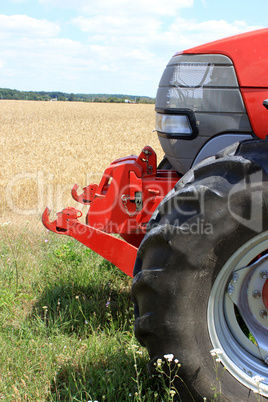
point(195, 227)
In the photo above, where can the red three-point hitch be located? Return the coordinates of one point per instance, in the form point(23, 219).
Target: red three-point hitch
point(129, 191)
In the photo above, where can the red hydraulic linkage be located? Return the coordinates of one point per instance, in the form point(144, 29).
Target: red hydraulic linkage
point(130, 190)
point(115, 250)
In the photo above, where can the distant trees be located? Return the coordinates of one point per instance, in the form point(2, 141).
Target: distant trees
point(71, 97)
point(6, 93)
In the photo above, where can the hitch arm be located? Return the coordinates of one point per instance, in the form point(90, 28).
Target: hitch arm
point(88, 194)
point(113, 249)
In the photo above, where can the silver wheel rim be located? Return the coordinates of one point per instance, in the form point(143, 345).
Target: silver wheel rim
point(235, 351)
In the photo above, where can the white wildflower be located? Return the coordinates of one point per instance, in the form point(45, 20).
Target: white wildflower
point(215, 352)
point(257, 379)
point(169, 357)
point(5, 224)
point(159, 362)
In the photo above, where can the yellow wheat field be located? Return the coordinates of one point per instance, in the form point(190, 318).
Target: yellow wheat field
point(48, 146)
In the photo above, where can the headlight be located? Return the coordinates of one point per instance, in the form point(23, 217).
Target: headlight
point(170, 124)
point(176, 124)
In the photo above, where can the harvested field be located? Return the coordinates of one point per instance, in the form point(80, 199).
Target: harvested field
point(49, 146)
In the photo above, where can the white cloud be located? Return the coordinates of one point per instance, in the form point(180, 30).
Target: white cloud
point(122, 7)
point(221, 28)
point(120, 46)
point(149, 36)
point(24, 26)
point(118, 25)
point(189, 33)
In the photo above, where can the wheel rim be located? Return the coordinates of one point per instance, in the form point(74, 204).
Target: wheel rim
point(242, 358)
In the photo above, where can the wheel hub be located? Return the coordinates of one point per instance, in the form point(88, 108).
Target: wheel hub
point(238, 315)
point(245, 289)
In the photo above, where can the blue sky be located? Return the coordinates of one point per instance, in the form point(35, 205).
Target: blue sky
point(110, 46)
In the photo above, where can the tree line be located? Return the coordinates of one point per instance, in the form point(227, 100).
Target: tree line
point(6, 93)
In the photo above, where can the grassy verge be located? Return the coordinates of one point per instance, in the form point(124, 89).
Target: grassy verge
point(66, 324)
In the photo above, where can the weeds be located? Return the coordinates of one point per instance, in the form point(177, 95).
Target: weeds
point(15, 248)
point(66, 327)
point(66, 321)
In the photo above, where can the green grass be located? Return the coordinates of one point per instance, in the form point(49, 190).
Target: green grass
point(66, 324)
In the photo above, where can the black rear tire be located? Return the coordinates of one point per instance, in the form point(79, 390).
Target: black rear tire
point(214, 219)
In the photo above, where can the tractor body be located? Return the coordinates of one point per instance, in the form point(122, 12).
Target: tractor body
point(209, 97)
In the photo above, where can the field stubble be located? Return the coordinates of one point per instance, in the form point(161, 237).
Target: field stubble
point(49, 146)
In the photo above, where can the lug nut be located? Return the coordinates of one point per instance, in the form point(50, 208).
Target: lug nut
point(263, 274)
point(234, 278)
point(263, 314)
point(230, 289)
point(256, 294)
